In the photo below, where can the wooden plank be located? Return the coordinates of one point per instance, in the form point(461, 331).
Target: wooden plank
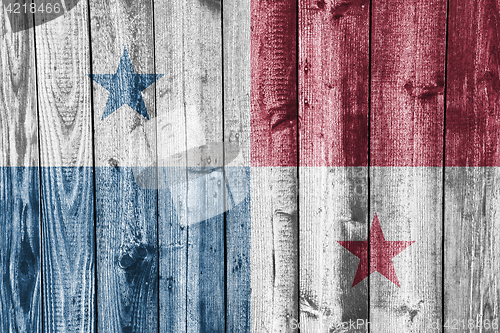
point(236, 39)
point(471, 290)
point(18, 139)
point(20, 273)
point(20, 249)
point(274, 253)
point(333, 108)
point(274, 209)
point(409, 207)
point(62, 55)
point(126, 225)
point(192, 289)
point(171, 122)
point(334, 206)
point(203, 99)
point(408, 56)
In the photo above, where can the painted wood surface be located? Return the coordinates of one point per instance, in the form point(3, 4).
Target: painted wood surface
point(171, 193)
point(171, 122)
point(20, 270)
point(126, 214)
point(333, 110)
point(18, 116)
point(68, 278)
point(203, 93)
point(471, 290)
point(20, 250)
point(191, 102)
point(237, 79)
point(274, 183)
point(20, 286)
point(202, 35)
point(406, 157)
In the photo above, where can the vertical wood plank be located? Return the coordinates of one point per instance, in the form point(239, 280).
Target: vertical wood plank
point(62, 54)
point(172, 204)
point(20, 270)
point(471, 289)
point(190, 153)
point(274, 183)
point(408, 56)
point(127, 258)
point(333, 109)
point(236, 39)
point(204, 127)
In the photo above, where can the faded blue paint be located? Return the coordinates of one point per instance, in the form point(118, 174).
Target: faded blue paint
point(68, 265)
point(127, 248)
point(125, 87)
point(20, 307)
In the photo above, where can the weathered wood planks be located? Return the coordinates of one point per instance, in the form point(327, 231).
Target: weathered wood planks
point(333, 110)
point(20, 269)
point(471, 264)
point(126, 219)
point(176, 210)
point(406, 150)
point(274, 186)
point(62, 54)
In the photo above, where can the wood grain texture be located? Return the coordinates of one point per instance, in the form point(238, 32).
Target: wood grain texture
point(192, 286)
point(236, 57)
point(471, 263)
point(20, 271)
point(171, 121)
point(333, 76)
point(274, 184)
point(172, 205)
point(204, 126)
point(238, 233)
point(334, 206)
point(407, 137)
point(333, 109)
point(274, 249)
point(471, 289)
point(409, 206)
point(20, 283)
point(18, 112)
point(472, 117)
point(126, 225)
point(68, 249)
point(274, 83)
point(127, 253)
point(62, 55)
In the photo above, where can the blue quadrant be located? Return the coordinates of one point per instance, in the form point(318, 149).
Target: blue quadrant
point(177, 256)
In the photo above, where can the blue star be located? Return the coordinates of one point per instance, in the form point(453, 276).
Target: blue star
point(125, 87)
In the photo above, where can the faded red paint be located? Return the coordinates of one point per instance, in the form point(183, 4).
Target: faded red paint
point(274, 83)
point(333, 83)
point(473, 81)
point(407, 83)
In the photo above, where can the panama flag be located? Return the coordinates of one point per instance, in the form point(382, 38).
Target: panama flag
point(249, 166)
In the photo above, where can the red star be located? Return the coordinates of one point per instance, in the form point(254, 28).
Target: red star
point(381, 254)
